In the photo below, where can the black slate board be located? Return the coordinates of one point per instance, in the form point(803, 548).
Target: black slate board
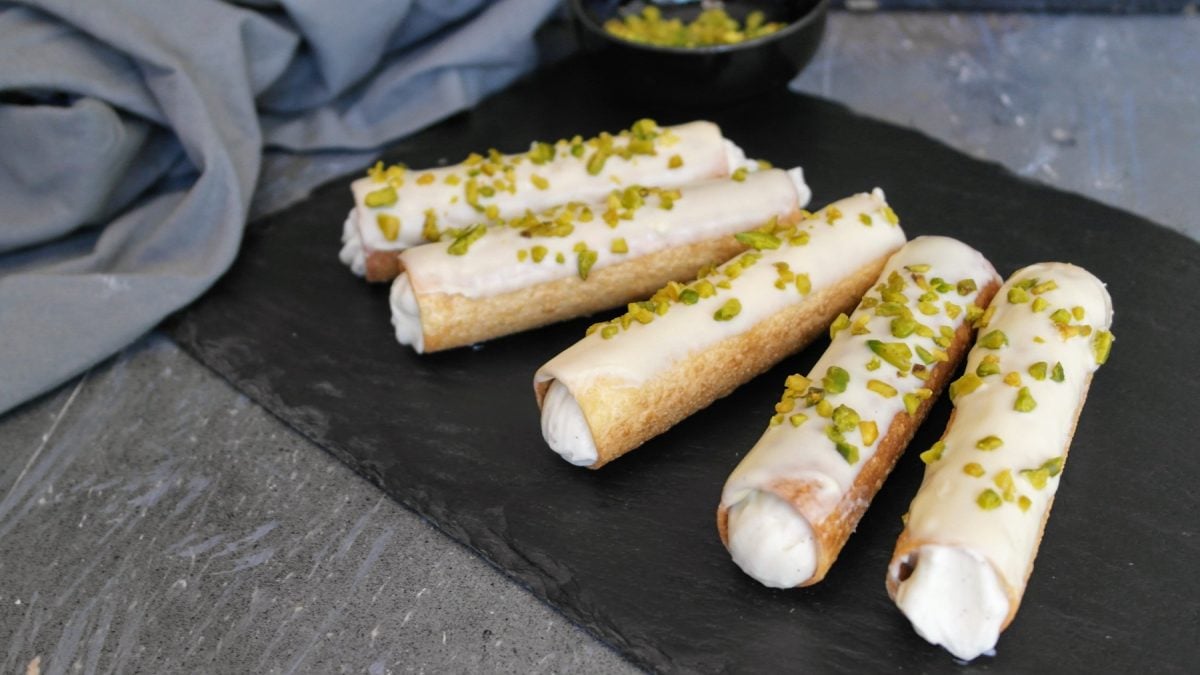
point(631, 552)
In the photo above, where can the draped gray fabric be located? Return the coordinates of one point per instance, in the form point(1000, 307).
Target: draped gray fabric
point(132, 132)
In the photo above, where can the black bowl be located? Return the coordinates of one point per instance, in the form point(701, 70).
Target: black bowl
point(703, 75)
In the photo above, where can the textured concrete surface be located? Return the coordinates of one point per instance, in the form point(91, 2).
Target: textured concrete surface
point(154, 520)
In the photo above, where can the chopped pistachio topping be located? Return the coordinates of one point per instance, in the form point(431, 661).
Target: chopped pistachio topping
point(425, 178)
point(389, 225)
point(1039, 304)
point(1101, 346)
point(990, 365)
point(429, 228)
point(920, 268)
point(923, 354)
point(927, 308)
point(845, 419)
point(836, 379)
point(689, 296)
point(758, 240)
point(595, 163)
point(897, 354)
point(798, 419)
point(869, 432)
point(609, 331)
point(824, 408)
point(1038, 370)
point(1044, 287)
point(902, 326)
point(865, 220)
point(989, 443)
point(1078, 312)
point(560, 258)
point(847, 451)
point(966, 287)
point(740, 174)
point(1017, 295)
point(587, 258)
point(974, 469)
point(776, 420)
point(539, 182)
point(993, 340)
point(1057, 373)
point(934, 453)
point(839, 324)
point(911, 403)
point(1024, 402)
point(987, 316)
point(1061, 316)
point(675, 162)
point(832, 213)
point(522, 255)
point(730, 309)
point(1004, 481)
point(1036, 477)
point(974, 314)
point(538, 253)
point(964, 385)
point(384, 196)
point(988, 500)
point(1024, 502)
point(859, 325)
point(890, 215)
point(1013, 379)
point(619, 246)
point(874, 363)
point(952, 310)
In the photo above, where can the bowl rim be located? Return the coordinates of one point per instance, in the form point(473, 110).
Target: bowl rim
point(818, 9)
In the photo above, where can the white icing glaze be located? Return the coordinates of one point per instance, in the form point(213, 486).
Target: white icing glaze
point(769, 542)
point(406, 314)
point(351, 254)
point(703, 211)
point(954, 599)
point(705, 153)
point(945, 510)
point(805, 453)
point(565, 428)
point(642, 351)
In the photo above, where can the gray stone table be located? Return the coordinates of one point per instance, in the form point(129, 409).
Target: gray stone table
point(152, 519)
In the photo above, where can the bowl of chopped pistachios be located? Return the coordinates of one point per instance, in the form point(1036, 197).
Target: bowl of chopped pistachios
point(700, 51)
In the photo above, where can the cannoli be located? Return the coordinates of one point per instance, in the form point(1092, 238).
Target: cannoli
point(792, 502)
point(395, 208)
point(973, 529)
point(575, 259)
point(634, 377)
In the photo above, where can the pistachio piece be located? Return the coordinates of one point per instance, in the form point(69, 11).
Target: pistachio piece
point(689, 296)
point(539, 182)
point(1017, 295)
point(758, 240)
point(586, 259)
point(839, 324)
point(595, 163)
point(1024, 502)
point(845, 418)
point(1036, 477)
point(874, 363)
point(608, 331)
point(974, 469)
point(824, 408)
point(897, 354)
point(964, 385)
point(882, 388)
point(522, 255)
point(740, 174)
point(1013, 379)
point(1004, 481)
point(890, 215)
point(865, 220)
point(1061, 317)
point(389, 225)
point(869, 432)
point(989, 443)
point(803, 284)
point(675, 162)
point(1101, 346)
point(993, 340)
point(990, 365)
point(902, 327)
point(1044, 287)
point(988, 500)
point(1024, 402)
point(560, 258)
point(730, 309)
point(835, 380)
point(966, 287)
point(798, 419)
point(1057, 373)
point(924, 355)
point(934, 453)
point(911, 403)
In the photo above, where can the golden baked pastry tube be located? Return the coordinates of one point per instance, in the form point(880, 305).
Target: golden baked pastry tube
point(396, 208)
point(634, 377)
point(973, 529)
point(795, 498)
point(575, 259)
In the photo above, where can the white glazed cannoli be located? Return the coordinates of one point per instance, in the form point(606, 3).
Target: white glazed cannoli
point(792, 502)
point(396, 208)
point(573, 260)
point(634, 377)
point(973, 530)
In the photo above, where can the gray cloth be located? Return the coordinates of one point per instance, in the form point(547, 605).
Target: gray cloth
point(131, 138)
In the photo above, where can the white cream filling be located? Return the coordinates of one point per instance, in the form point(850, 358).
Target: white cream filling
point(351, 254)
point(406, 314)
point(565, 428)
point(770, 541)
point(954, 599)
point(803, 192)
